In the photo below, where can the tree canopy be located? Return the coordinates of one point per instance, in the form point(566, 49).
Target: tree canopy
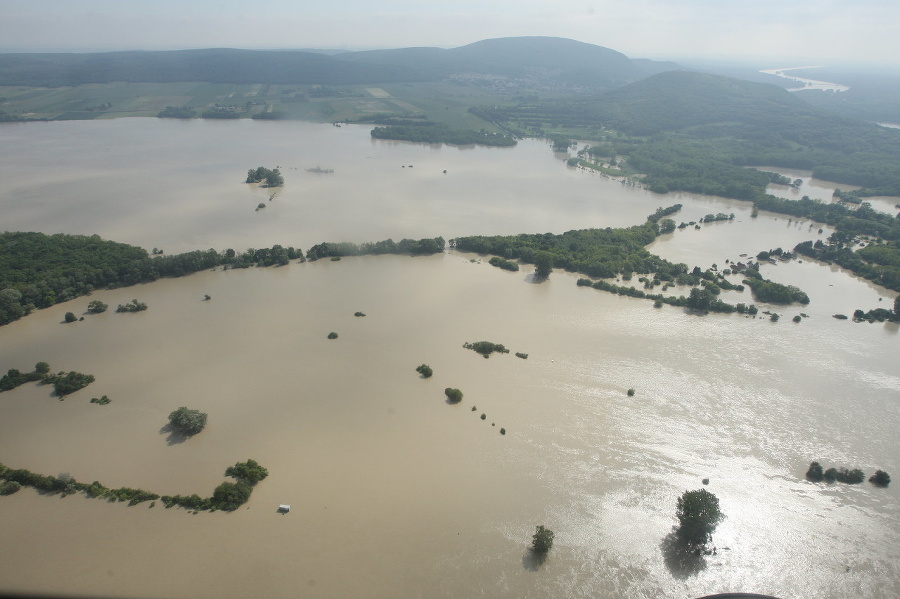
point(189, 422)
point(698, 515)
point(250, 471)
point(269, 177)
point(542, 541)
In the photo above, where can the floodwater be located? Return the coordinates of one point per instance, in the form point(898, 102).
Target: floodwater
point(394, 492)
point(819, 189)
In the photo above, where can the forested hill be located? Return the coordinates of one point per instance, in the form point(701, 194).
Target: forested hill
point(553, 60)
point(549, 59)
point(681, 100)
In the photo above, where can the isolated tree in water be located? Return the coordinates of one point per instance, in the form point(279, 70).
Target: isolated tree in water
point(189, 422)
point(698, 515)
point(542, 540)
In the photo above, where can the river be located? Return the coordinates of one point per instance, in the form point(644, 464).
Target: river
point(394, 492)
point(806, 84)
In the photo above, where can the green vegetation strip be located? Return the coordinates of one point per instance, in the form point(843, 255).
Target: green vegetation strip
point(63, 383)
point(38, 270)
point(227, 496)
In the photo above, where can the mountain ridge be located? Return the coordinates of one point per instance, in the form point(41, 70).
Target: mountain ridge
point(563, 60)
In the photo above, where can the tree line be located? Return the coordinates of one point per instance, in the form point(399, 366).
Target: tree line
point(63, 383)
point(228, 496)
point(430, 132)
point(39, 270)
point(413, 247)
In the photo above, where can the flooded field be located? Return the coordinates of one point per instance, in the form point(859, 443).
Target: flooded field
point(395, 493)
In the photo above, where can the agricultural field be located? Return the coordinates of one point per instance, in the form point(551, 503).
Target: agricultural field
point(444, 102)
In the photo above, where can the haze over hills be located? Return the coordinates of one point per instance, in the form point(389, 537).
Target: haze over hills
point(554, 59)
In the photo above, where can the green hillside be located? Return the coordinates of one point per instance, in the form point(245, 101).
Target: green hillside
point(695, 132)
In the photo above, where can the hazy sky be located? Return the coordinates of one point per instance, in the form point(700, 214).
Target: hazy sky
point(857, 30)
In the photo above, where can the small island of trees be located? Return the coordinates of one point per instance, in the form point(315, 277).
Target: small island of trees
point(97, 307)
point(132, 306)
point(486, 348)
point(186, 421)
point(453, 395)
point(425, 370)
point(504, 264)
point(65, 383)
point(14, 378)
point(268, 177)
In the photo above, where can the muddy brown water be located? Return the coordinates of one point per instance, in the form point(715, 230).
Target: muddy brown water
point(394, 492)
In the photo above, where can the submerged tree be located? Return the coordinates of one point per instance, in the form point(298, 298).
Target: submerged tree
point(453, 395)
point(815, 472)
point(698, 515)
point(189, 422)
point(542, 540)
point(96, 307)
point(250, 472)
point(880, 478)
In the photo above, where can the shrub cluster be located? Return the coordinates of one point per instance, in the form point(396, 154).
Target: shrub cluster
point(14, 378)
point(504, 264)
point(453, 395)
point(132, 306)
point(65, 383)
point(486, 348)
point(269, 177)
point(853, 476)
point(189, 422)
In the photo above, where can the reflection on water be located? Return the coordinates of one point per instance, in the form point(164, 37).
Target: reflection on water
point(394, 492)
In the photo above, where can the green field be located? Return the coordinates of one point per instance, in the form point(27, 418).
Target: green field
point(444, 102)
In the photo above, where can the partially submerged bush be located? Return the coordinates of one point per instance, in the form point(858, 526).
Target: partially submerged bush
point(453, 395)
point(815, 472)
point(851, 477)
point(189, 422)
point(880, 478)
point(132, 306)
point(542, 541)
point(250, 472)
point(425, 370)
point(65, 383)
point(486, 348)
point(9, 487)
